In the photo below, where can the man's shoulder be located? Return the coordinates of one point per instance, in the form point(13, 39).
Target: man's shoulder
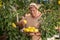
point(40, 14)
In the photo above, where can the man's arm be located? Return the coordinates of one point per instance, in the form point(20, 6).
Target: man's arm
point(20, 24)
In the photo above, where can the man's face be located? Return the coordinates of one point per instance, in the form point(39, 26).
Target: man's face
point(33, 10)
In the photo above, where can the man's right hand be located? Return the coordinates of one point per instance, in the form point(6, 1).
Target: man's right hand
point(21, 24)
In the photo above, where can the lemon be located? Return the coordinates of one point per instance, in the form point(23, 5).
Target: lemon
point(26, 30)
point(29, 27)
point(25, 21)
point(58, 2)
point(13, 25)
point(31, 30)
point(36, 30)
point(1, 4)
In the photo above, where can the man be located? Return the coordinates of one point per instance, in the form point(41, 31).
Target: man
point(33, 19)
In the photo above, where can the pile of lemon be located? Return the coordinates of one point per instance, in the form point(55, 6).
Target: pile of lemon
point(30, 29)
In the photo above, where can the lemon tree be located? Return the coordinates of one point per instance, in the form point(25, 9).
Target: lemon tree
point(8, 11)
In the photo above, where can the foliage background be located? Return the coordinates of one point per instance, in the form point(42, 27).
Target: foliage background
point(10, 8)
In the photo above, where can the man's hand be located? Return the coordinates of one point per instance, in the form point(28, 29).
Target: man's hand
point(21, 24)
point(31, 34)
point(37, 33)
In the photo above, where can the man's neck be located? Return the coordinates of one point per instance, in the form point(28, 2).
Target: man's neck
point(36, 15)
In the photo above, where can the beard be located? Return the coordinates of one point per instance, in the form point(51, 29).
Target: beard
point(33, 15)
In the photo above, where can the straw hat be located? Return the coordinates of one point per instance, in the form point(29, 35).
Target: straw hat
point(34, 4)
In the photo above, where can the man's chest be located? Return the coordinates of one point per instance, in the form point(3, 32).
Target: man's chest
point(32, 21)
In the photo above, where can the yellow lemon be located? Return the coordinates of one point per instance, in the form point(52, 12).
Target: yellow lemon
point(25, 21)
point(58, 2)
point(13, 25)
point(26, 30)
point(31, 30)
point(1, 4)
point(36, 30)
point(29, 27)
